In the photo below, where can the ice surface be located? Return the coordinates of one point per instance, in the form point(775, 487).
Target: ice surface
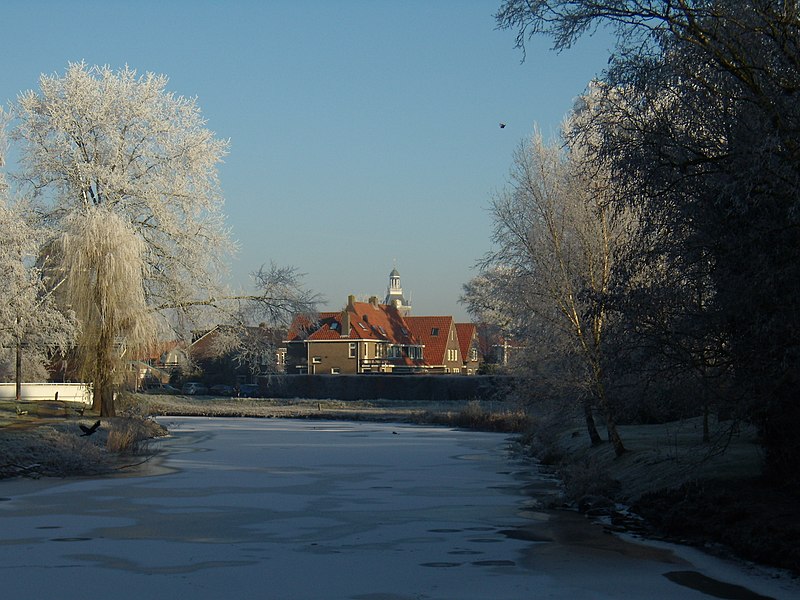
point(304, 509)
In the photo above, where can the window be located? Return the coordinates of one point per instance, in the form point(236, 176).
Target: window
point(366, 350)
point(473, 354)
point(316, 360)
point(352, 350)
point(434, 331)
point(335, 370)
point(334, 326)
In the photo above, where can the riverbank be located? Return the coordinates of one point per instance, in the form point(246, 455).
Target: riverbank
point(55, 445)
point(672, 485)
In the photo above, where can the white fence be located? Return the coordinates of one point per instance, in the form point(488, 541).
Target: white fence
point(63, 392)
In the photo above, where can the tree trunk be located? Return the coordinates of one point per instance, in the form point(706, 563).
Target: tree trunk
point(107, 401)
point(613, 436)
point(594, 436)
point(18, 372)
point(608, 414)
point(103, 401)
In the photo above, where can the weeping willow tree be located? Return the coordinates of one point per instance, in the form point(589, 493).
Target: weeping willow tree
point(127, 171)
point(105, 272)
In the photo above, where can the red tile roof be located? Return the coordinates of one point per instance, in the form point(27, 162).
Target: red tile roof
point(367, 322)
point(466, 332)
point(435, 345)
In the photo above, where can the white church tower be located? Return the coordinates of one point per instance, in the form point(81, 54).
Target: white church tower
point(394, 294)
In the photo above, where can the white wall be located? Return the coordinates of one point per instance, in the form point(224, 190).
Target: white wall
point(67, 392)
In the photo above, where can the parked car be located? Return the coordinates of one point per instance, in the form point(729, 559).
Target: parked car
point(194, 388)
point(222, 389)
point(160, 388)
point(248, 390)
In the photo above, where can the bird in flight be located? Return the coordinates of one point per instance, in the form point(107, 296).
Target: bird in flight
point(89, 430)
point(502, 125)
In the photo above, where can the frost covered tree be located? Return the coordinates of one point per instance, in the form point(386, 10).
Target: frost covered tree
point(32, 327)
point(555, 242)
point(127, 172)
point(708, 152)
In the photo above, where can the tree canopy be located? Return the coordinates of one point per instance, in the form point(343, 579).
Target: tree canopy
point(125, 175)
point(700, 133)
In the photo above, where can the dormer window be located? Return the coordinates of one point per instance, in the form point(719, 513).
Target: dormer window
point(434, 331)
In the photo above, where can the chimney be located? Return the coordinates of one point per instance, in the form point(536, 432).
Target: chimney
point(374, 301)
point(345, 318)
point(351, 301)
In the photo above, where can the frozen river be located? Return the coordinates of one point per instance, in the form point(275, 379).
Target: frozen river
point(257, 508)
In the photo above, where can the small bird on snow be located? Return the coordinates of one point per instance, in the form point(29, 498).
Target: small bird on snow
point(89, 430)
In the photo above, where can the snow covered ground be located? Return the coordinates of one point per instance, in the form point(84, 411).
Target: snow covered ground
point(263, 508)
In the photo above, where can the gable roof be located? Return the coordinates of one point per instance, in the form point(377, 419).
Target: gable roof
point(435, 345)
point(368, 321)
point(157, 350)
point(205, 346)
point(466, 332)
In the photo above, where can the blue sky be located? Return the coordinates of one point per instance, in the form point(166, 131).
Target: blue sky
point(364, 133)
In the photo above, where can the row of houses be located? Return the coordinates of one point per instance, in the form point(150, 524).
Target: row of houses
point(369, 337)
point(364, 337)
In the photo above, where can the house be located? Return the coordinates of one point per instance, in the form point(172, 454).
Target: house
point(440, 338)
point(231, 355)
point(158, 365)
point(368, 337)
point(365, 337)
point(469, 346)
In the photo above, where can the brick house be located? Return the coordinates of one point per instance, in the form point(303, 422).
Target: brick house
point(234, 355)
point(442, 350)
point(469, 345)
point(365, 337)
point(368, 337)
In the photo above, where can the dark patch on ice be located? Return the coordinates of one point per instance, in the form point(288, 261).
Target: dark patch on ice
point(505, 488)
point(49, 527)
point(122, 564)
point(443, 530)
point(444, 565)
point(382, 596)
point(465, 552)
point(71, 539)
point(485, 540)
point(479, 529)
point(713, 587)
point(494, 563)
point(525, 535)
point(5, 499)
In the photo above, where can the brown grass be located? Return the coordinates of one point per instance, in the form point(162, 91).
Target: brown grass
point(132, 436)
